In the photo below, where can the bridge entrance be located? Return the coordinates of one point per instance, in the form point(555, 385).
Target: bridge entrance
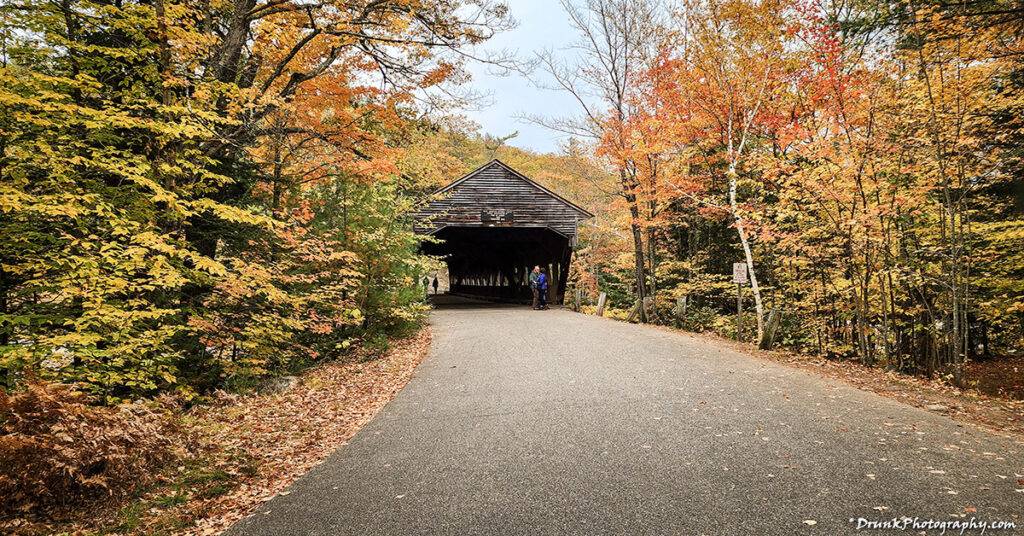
point(493, 225)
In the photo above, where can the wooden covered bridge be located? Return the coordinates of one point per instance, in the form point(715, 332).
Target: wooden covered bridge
point(493, 225)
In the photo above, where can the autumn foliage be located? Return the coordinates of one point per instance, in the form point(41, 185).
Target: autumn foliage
point(201, 195)
point(196, 197)
point(860, 160)
point(69, 451)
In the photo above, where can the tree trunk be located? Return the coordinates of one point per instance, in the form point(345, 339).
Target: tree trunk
point(629, 191)
point(652, 261)
point(230, 53)
point(278, 187)
point(747, 254)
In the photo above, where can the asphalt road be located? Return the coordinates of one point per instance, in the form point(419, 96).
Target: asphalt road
point(550, 422)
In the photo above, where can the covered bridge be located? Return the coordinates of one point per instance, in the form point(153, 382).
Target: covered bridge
point(493, 226)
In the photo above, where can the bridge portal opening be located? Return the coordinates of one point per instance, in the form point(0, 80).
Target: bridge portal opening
point(494, 262)
point(493, 226)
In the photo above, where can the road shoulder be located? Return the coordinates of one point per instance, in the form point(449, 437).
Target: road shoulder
point(1002, 416)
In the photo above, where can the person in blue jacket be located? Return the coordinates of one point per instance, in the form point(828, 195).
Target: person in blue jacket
point(542, 287)
point(534, 274)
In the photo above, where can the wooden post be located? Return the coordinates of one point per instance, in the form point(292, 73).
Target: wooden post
point(601, 299)
point(635, 311)
point(739, 310)
point(680, 310)
point(563, 273)
point(771, 328)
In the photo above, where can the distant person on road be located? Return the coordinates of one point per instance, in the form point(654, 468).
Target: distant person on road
point(533, 286)
point(542, 288)
point(435, 285)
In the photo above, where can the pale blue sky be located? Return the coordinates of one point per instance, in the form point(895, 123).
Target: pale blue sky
point(542, 25)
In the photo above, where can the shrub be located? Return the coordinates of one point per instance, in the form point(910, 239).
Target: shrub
point(59, 450)
point(700, 319)
point(725, 326)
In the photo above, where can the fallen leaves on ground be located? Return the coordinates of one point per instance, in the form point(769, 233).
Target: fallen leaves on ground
point(971, 406)
point(1002, 377)
point(243, 450)
point(284, 435)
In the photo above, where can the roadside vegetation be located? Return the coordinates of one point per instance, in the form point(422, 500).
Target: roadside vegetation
point(860, 161)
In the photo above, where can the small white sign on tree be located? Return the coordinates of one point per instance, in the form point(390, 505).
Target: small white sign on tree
point(739, 273)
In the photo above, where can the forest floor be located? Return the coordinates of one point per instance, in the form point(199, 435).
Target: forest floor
point(242, 450)
point(994, 401)
point(1002, 377)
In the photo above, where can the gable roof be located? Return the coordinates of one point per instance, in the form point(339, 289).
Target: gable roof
point(519, 176)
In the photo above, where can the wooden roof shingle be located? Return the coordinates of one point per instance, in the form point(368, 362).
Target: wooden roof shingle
point(497, 195)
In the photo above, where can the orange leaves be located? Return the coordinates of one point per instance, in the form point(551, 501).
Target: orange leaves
point(439, 74)
point(727, 83)
point(303, 213)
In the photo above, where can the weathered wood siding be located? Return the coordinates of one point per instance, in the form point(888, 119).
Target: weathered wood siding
point(495, 195)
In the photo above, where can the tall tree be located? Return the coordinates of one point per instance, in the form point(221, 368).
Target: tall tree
point(617, 40)
point(727, 93)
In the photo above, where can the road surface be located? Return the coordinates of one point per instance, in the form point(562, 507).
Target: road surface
point(550, 422)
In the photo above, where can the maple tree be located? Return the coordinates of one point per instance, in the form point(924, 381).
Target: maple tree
point(724, 96)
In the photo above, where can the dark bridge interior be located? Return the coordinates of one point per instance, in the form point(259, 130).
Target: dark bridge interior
point(494, 262)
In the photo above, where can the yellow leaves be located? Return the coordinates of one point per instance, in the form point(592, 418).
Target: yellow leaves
point(346, 256)
point(62, 205)
point(207, 265)
point(12, 199)
point(1001, 231)
point(139, 192)
point(232, 214)
point(159, 244)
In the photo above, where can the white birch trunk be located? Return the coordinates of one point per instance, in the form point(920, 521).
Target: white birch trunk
point(748, 256)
